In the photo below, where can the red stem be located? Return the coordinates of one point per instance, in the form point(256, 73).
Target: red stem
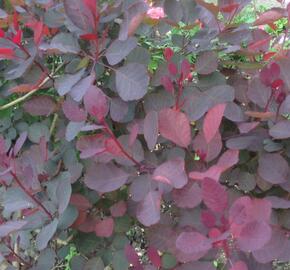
point(18, 257)
point(179, 93)
point(31, 196)
point(109, 131)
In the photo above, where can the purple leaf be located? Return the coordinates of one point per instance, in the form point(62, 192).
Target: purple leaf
point(80, 14)
point(118, 50)
point(278, 203)
point(172, 172)
point(19, 143)
point(192, 242)
point(40, 106)
point(46, 233)
point(189, 196)
point(273, 249)
point(148, 211)
point(105, 177)
point(206, 63)
point(258, 93)
point(254, 235)
point(79, 89)
point(65, 83)
point(73, 112)
point(118, 109)
point(63, 192)
point(73, 129)
point(132, 81)
point(273, 168)
point(151, 129)
point(10, 227)
point(214, 195)
point(281, 130)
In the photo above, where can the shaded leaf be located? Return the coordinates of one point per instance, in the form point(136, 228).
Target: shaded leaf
point(148, 211)
point(132, 81)
point(273, 168)
point(46, 233)
point(118, 50)
point(151, 129)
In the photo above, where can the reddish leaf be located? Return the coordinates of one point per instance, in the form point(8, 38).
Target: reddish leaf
point(96, 103)
point(89, 37)
point(172, 172)
point(40, 106)
point(6, 53)
point(22, 88)
point(239, 265)
point(132, 255)
point(259, 44)
point(105, 227)
point(174, 126)
point(229, 8)
point(212, 121)
point(80, 202)
point(226, 161)
point(168, 53)
point(119, 209)
point(18, 37)
point(270, 16)
point(172, 68)
point(207, 151)
point(153, 256)
point(133, 134)
point(185, 68)
point(73, 112)
point(148, 211)
point(192, 242)
point(214, 195)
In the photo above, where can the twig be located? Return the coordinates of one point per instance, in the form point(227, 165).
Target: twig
point(22, 98)
point(112, 135)
point(53, 123)
point(18, 257)
point(31, 196)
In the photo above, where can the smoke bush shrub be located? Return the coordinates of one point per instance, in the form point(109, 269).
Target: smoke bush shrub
point(192, 154)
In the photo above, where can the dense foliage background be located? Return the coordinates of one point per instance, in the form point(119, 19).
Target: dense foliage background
point(144, 135)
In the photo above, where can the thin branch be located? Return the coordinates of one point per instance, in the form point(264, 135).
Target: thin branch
point(53, 123)
point(109, 131)
point(31, 195)
point(20, 260)
point(22, 98)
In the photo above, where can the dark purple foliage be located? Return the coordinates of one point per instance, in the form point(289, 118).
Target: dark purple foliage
point(99, 142)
